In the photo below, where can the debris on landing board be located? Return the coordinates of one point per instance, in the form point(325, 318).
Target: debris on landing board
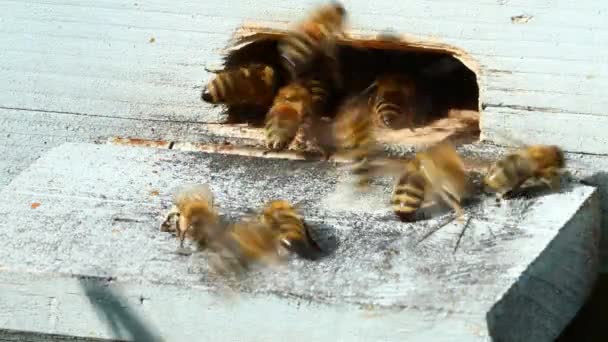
point(517, 269)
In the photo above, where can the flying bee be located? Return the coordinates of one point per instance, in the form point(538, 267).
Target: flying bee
point(313, 38)
point(291, 105)
point(437, 173)
point(354, 135)
point(543, 163)
point(394, 103)
point(195, 214)
point(253, 84)
point(245, 243)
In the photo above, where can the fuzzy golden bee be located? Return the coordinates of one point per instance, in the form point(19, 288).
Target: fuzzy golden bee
point(393, 102)
point(291, 105)
point(319, 91)
point(253, 84)
point(245, 243)
point(437, 173)
point(354, 136)
point(314, 133)
point(288, 223)
point(314, 38)
point(195, 214)
point(543, 163)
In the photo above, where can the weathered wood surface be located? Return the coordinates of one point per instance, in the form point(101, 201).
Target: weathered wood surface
point(99, 217)
point(544, 76)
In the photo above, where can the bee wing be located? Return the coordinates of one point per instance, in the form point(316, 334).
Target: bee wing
point(388, 35)
point(194, 192)
point(212, 71)
point(389, 167)
point(245, 37)
point(436, 178)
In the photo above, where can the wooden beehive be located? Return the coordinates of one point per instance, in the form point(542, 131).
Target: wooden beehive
point(83, 71)
point(447, 94)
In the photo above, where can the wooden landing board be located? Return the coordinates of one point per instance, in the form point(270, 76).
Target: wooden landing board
point(94, 210)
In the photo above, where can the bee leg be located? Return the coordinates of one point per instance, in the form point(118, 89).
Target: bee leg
point(455, 205)
point(551, 178)
point(289, 237)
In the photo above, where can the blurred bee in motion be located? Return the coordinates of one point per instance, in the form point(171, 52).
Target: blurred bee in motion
point(314, 132)
point(394, 101)
point(291, 105)
point(288, 223)
point(544, 163)
point(319, 90)
point(194, 213)
point(437, 173)
point(245, 243)
point(253, 84)
point(314, 38)
point(354, 136)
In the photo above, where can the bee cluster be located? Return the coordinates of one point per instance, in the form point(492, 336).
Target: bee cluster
point(435, 176)
point(296, 93)
point(259, 239)
point(311, 83)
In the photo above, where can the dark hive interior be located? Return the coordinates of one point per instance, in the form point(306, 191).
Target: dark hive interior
point(447, 91)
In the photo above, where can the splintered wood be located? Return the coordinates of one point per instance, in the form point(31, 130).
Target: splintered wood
point(443, 101)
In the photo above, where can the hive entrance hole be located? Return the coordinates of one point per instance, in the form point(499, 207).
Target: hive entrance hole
point(446, 97)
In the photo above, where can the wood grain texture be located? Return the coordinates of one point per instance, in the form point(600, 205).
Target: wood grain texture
point(437, 283)
point(92, 58)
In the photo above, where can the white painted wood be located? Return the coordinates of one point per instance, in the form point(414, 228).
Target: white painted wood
point(99, 217)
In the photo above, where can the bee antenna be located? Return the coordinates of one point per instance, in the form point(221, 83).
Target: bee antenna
point(212, 71)
point(369, 88)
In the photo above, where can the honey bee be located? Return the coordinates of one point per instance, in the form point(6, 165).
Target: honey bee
point(319, 91)
point(313, 132)
point(435, 173)
point(196, 215)
point(253, 84)
point(394, 101)
point(245, 243)
point(286, 221)
point(543, 163)
point(354, 135)
point(315, 37)
point(291, 105)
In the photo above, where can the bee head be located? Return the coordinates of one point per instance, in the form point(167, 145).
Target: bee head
point(206, 95)
point(559, 157)
point(494, 179)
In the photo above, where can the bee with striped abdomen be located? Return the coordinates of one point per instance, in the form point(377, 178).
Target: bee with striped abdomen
point(253, 84)
point(245, 243)
point(354, 135)
point(197, 218)
point(314, 131)
point(394, 101)
point(543, 163)
point(320, 93)
point(291, 105)
point(437, 173)
point(288, 223)
point(314, 38)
